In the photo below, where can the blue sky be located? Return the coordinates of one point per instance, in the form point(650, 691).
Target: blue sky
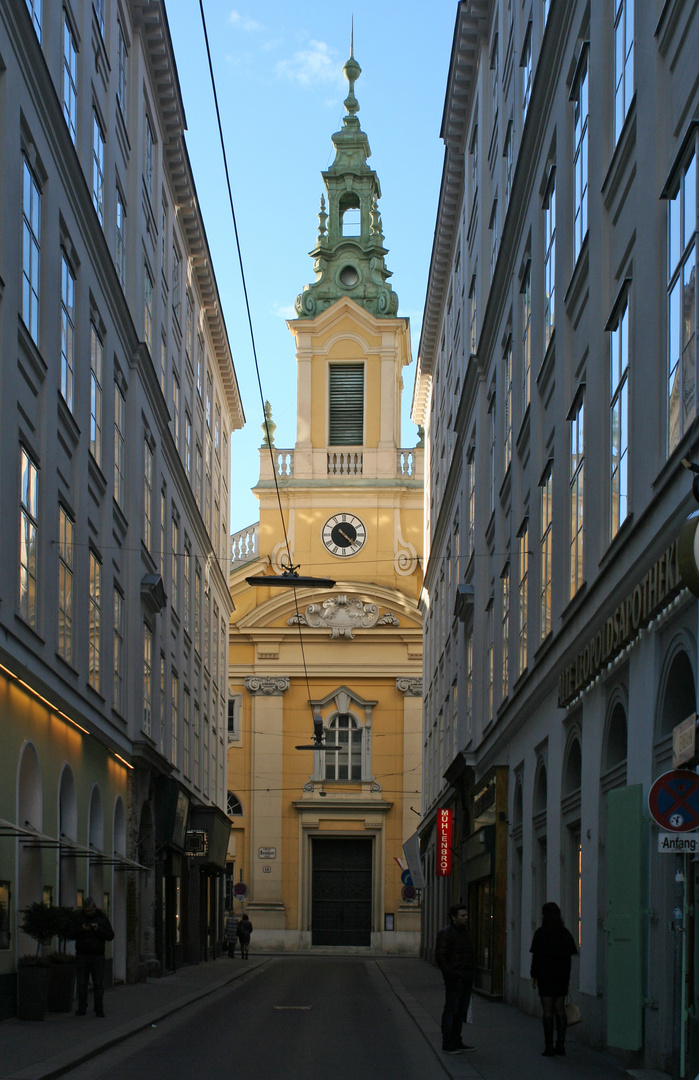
point(278, 67)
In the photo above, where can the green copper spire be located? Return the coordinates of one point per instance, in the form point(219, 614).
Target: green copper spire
point(349, 252)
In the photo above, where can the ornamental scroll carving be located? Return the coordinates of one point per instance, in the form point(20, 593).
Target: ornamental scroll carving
point(270, 685)
point(342, 615)
point(409, 687)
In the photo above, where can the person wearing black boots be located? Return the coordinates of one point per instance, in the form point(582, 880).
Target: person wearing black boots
point(552, 949)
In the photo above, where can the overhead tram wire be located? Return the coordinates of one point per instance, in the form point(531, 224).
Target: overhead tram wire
point(252, 333)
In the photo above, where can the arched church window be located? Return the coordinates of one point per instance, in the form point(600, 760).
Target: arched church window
point(234, 807)
point(350, 216)
point(344, 764)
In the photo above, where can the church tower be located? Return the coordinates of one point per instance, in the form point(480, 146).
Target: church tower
point(316, 833)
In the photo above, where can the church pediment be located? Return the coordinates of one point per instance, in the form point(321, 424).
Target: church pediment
point(342, 614)
point(280, 610)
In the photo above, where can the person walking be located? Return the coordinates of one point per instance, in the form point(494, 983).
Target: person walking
point(90, 929)
point(244, 932)
point(230, 932)
point(456, 960)
point(552, 950)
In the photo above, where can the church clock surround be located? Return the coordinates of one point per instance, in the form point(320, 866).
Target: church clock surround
point(344, 534)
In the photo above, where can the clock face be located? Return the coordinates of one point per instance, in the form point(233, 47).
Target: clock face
point(344, 534)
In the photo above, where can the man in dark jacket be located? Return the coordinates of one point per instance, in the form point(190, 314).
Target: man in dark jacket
point(457, 961)
point(90, 929)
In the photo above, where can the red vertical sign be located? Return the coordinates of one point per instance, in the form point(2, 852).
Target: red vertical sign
point(445, 828)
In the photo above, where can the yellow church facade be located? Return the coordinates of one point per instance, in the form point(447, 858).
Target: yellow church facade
point(325, 723)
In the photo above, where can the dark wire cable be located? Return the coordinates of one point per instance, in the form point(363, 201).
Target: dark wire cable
point(252, 333)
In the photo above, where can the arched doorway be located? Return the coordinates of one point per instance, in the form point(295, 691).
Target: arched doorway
point(67, 835)
point(119, 892)
point(29, 816)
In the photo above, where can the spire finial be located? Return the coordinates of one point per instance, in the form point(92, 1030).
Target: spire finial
point(352, 71)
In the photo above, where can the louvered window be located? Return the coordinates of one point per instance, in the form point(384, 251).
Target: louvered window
point(346, 392)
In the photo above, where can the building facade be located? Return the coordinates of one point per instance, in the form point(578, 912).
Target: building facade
point(317, 833)
point(557, 385)
point(118, 400)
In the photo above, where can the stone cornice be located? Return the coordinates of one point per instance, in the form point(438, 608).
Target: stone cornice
point(267, 685)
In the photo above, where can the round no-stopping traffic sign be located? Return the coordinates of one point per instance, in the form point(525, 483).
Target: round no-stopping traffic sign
point(673, 800)
point(241, 890)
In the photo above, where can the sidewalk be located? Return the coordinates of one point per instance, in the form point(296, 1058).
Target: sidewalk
point(31, 1050)
point(508, 1042)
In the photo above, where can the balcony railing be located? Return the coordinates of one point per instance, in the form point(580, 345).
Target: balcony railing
point(284, 462)
point(245, 545)
point(345, 463)
point(407, 462)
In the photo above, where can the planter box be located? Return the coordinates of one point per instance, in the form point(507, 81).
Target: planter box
point(61, 987)
point(32, 983)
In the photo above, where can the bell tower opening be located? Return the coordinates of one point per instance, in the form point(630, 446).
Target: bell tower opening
point(350, 215)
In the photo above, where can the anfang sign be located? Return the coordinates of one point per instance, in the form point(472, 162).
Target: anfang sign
point(445, 830)
point(662, 582)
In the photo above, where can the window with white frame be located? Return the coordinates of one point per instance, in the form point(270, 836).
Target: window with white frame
point(174, 716)
point(507, 386)
point(31, 249)
point(163, 363)
point(94, 621)
point(147, 494)
point(579, 97)
point(214, 645)
point(508, 155)
point(120, 243)
point(163, 528)
point(163, 235)
point(28, 537)
point(189, 328)
point(175, 408)
point(188, 445)
point(161, 737)
point(197, 752)
point(148, 157)
point(98, 6)
point(577, 484)
point(494, 77)
point(546, 548)
point(147, 308)
point(122, 68)
point(197, 605)
point(345, 764)
point(523, 591)
point(494, 238)
point(550, 260)
point(619, 415)
point(67, 330)
point(682, 302)
point(469, 687)
point(119, 445)
point(118, 702)
point(474, 163)
point(492, 444)
point(147, 678)
point(207, 631)
point(505, 631)
point(472, 317)
point(526, 66)
point(623, 62)
point(200, 363)
point(98, 168)
point(234, 709)
point(70, 76)
point(174, 559)
point(185, 732)
point(186, 582)
point(526, 337)
point(489, 660)
point(471, 499)
point(65, 585)
point(176, 284)
point(96, 360)
point(34, 9)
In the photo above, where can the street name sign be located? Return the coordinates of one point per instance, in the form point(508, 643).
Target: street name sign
point(684, 741)
point(669, 842)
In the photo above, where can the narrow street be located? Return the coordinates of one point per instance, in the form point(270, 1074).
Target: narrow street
point(292, 1018)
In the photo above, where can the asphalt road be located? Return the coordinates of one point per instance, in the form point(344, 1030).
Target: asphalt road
point(296, 1018)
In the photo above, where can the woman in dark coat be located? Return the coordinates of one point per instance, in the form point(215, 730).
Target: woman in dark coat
point(552, 949)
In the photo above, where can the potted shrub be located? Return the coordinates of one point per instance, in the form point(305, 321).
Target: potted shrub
point(38, 922)
point(62, 965)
